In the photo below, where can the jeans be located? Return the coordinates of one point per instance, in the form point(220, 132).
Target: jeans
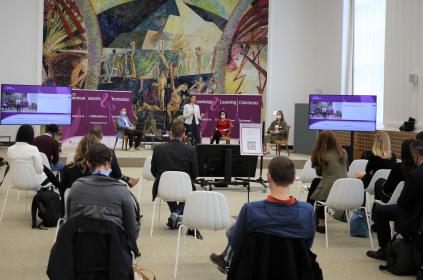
point(176, 207)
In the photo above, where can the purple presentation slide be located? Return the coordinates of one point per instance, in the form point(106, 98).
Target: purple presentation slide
point(24, 104)
point(342, 112)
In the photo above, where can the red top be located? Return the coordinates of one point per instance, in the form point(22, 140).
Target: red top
point(222, 124)
point(288, 202)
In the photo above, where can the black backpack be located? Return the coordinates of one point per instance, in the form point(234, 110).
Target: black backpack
point(47, 204)
point(400, 257)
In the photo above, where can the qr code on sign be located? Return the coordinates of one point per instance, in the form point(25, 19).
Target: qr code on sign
point(251, 145)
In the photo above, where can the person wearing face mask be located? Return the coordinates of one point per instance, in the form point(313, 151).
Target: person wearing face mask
point(278, 130)
point(222, 127)
point(126, 127)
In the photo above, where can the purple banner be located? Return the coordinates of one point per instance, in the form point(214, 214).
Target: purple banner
point(239, 108)
point(91, 107)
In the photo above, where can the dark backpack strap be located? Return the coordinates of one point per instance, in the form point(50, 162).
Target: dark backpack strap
point(7, 170)
point(34, 207)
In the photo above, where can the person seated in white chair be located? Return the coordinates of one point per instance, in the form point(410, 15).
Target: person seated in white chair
point(279, 214)
point(125, 126)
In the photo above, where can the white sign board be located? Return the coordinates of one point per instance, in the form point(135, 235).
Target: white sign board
point(251, 139)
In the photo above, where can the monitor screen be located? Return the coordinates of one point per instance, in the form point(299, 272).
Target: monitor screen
point(24, 104)
point(342, 112)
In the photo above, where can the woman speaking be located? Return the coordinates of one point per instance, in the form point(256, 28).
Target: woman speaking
point(192, 119)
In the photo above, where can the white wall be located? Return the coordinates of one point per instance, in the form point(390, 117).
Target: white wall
point(21, 47)
point(305, 53)
point(403, 56)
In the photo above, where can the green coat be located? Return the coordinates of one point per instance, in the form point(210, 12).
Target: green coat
point(331, 172)
point(282, 131)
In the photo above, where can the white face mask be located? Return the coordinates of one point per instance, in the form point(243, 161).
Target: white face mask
point(123, 113)
point(278, 117)
point(222, 116)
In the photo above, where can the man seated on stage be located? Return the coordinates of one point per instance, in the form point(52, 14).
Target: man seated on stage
point(125, 126)
point(222, 127)
point(174, 156)
point(48, 145)
point(279, 214)
point(407, 213)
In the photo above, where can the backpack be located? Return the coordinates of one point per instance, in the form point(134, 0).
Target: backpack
point(400, 257)
point(47, 204)
point(358, 224)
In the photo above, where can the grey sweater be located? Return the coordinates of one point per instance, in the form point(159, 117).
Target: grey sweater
point(103, 198)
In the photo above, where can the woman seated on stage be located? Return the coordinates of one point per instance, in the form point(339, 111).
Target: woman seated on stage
point(222, 127)
point(278, 130)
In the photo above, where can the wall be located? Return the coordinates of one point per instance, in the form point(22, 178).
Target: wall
point(403, 56)
point(305, 53)
point(21, 48)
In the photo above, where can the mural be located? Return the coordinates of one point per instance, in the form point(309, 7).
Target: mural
point(160, 50)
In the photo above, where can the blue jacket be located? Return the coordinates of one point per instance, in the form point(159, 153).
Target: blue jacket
point(120, 121)
point(290, 221)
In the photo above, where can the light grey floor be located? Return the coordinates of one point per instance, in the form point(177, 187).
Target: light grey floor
point(24, 252)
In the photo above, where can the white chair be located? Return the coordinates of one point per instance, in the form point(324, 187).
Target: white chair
point(23, 177)
point(146, 175)
point(173, 186)
point(346, 194)
point(203, 210)
point(358, 165)
point(306, 177)
point(62, 220)
point(395, 195)
point(381, 173)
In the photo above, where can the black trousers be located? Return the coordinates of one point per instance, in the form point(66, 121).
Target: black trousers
point(176, 207)
point(320, 210)
point(134, 133)
point(193, 131)
point(216, 137)
point(383, 215)
point(50, 178)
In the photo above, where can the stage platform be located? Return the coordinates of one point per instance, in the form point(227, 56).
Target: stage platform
point(136, 158)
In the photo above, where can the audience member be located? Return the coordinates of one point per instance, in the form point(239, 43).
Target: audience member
point(48, 145)
point(278, 130)
point(279, 214)
point(419, 136)
point(384, 189)
point(126, 127)
point(330, 162)
point(100, 197)
point(381, 157)
point(407, 213)
point(174, 156)
point(116, 173)
point(222, 127)
point(25, 151)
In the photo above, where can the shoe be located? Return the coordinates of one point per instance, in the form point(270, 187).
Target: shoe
point(137, 149)
point(378, 255)
point(172, 221)
point(321, 229)
point(219, 260)
point(191, 232)
point(132, 149)
point(179, 221)
point(132, 182)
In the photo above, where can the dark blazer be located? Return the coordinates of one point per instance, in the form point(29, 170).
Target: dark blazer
point(48, 145)
point(268, 257)
point(411, 202)
point(173, 156)
point(374, 164)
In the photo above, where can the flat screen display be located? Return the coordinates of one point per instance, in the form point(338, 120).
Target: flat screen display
point(342, 112)
point(37, 105)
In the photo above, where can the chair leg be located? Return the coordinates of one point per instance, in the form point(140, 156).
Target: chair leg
point(160, 209)
point(139, 189)
point(368, 226)
point(326, 226)
point(287, 149)
point(59, 221)
point(4, 204)
point(19, 193)
point(114, 147)
point(177, 250)
point(152, 218)
point(347, 215)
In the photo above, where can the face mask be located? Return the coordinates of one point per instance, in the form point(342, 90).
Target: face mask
point(123, 113)
point(222, 116)
point(278, 117)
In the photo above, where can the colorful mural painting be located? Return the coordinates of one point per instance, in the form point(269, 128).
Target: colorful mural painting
point(160, 50)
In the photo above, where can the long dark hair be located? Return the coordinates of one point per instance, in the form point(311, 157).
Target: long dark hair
point(25, 134)
point(326, 142)
point(407, 162)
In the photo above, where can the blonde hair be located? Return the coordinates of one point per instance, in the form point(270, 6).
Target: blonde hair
point(382, 145)
point(81, 151)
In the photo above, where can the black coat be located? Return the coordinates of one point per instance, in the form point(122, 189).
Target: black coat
point(173, 156)
point(267, 257)
point(411, 203)
point(88, 250)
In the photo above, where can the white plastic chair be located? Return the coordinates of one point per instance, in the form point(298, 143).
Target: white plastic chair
point(203, 210)
point(306, 177)
point(45, 161)
point(395, 195)
point(23, 177)
point(146, 175)
point(381, 173)
point(173, 186)
point(346, 194)
point(63, 220)
point(358, 165)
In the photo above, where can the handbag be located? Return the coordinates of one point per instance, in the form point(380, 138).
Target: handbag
point(400, 257)
point(358, 224)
